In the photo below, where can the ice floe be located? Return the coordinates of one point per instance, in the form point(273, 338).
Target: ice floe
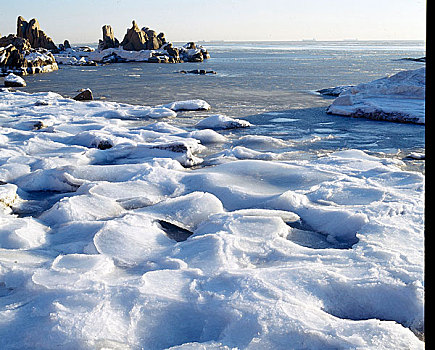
point(118, 231)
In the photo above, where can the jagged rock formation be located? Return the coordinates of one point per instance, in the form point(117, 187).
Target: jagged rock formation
point(32, 32)
point(17, 56)
point(142, 39)
point(109, 40)
point(135, 39)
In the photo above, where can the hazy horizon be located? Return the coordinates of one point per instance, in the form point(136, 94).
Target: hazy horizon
point(227, 20)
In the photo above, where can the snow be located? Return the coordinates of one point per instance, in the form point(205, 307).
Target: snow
point(271, 253)
point(218, 122)
point(400, 97)
point(188, 105)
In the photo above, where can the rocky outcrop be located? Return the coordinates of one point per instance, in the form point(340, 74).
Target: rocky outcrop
point(32, 32)
point(193, 53)
point(84, 95)
point(20, 44)
point(109, 40)
point(135, 39)
point(17, 56)
point(142, 39)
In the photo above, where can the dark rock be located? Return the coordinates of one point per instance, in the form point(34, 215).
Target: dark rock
point(420, 59)
point(143, 39)
point(42, 103)
point(66, 44)
point(104, 144)
point(172, 51)
point(161, 38)
point(109, 40)
point(197, 57)
point(84, 95)
point(135, 39)
point(190, 45)
point(153, 42)
point(20, 43)
point(198, 71)
point(193, 53)
point(32, 32)
point(38, 125)
point(334, 91)
point(113, 58)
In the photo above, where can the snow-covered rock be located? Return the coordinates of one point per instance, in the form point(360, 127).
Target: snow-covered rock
point(13, 80)
point(399, 98)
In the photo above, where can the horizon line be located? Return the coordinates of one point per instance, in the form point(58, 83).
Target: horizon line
point(277, 40)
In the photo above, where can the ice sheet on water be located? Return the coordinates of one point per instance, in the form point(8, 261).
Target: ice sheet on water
point(94, 264)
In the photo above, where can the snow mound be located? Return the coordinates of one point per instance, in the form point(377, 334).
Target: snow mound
point(219, 122)
point(188, 105)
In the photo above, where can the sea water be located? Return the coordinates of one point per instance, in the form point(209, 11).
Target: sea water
point(271, 84)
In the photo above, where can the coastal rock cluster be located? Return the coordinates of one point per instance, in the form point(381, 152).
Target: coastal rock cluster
point(138, 45)
point(27, 52)
point(31, 50)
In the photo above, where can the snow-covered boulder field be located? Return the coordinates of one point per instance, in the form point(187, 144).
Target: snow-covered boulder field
point(113, 236)
point(398, 98)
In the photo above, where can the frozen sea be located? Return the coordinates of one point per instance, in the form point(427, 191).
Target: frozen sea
point(269, 84)
point(129, 223)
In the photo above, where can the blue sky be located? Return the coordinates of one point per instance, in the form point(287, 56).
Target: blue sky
point(80, 21)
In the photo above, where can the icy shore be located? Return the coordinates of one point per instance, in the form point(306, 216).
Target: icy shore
point(280, 254)
point(399, 98)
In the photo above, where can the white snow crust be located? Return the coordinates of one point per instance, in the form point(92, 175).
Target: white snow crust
point(400, 98)
point(278, 254)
